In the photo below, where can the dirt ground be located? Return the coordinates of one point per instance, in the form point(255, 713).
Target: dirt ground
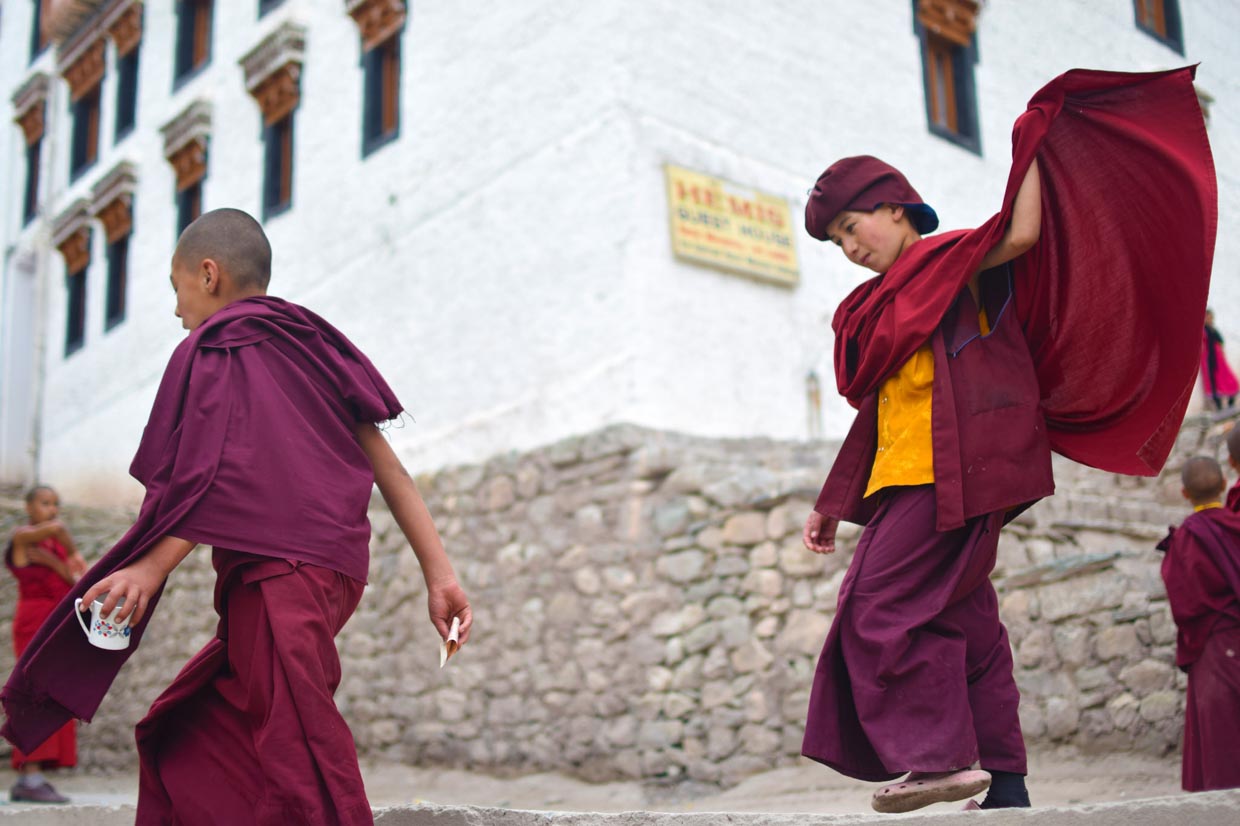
point(1055, 778)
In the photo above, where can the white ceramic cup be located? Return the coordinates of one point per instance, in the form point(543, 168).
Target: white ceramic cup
point(104, 632)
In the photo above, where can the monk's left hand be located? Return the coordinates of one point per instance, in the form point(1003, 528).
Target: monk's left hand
point(446, 599)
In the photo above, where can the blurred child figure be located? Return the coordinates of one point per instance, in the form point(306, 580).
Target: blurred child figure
point(1202, 572)
point(45, 562)
point(1216, 375)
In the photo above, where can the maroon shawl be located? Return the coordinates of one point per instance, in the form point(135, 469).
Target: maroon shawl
point(254, 407)
point(1112, 296)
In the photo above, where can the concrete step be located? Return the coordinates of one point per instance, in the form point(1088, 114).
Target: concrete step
point(1207, 809)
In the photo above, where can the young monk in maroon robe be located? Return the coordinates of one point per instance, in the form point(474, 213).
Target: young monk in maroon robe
point(1202, 572)
point(262, 443)
point(45, 561)
point(970, 356)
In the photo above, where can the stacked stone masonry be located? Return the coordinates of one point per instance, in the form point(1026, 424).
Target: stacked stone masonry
point(644, 609)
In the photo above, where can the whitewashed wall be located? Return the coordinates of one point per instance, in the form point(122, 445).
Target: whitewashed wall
point(506, 261)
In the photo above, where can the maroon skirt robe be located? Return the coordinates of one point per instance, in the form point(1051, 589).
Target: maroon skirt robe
point(248, 732)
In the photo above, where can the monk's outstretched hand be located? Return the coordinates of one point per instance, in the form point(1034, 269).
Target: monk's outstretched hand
point(819, 533)
point(446, 599)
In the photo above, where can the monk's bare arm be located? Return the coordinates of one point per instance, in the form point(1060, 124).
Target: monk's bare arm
point(37, 556)
point(397, 487)
point(1026, 225)
point(139, 582)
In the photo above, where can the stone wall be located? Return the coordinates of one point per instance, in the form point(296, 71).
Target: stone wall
point(644, 608)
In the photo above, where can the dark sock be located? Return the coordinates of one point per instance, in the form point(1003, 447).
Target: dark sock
point(1007, 791)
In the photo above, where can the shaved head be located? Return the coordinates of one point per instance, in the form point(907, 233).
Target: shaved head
point(36, 490)
point(234, 241)
point(1233, 444)
point(1202, 479)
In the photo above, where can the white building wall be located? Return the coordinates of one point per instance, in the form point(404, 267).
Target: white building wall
point(506, 261)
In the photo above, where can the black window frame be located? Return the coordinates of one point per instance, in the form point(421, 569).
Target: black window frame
point(117, 288)
point(30, 194)
point(126, 94)
point(374, 75)
point(279, 151)
point(968, 134)
point(183, 66)
point(265, 6)
point(1172, 20)
point(38, 44)
point(189, 205)
point(81, 139)
point(75, 311)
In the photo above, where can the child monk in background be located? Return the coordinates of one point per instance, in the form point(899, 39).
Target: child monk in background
point(970, 356)
point(45, 561)
point(1202, 572)
point(262, 443)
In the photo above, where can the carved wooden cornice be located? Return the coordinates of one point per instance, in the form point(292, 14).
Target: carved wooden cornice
point(112, 197)
point(273, 71)
point(30, 104)
point(185, 143)
point(64, 20)
point(71, 235)
point(376, 19)
point(125, 26)
point(953, 20)
point(86, 70)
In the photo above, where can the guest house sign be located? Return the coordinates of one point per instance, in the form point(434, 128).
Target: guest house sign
point(732, 227)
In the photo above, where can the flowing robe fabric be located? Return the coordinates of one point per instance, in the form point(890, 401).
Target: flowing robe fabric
point(251, 437)
point(39, 590)
point(1128, 195)
point(1202, 572)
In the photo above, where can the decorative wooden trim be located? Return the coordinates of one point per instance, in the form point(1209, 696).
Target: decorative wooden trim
point(273, 71)
point(377, 20)
point(71, 235)
point(86, 70)
point(125, 27)
point(30, 104)
point(112, 197)
point(953, 20)
point(185, 143)
point(64, 19)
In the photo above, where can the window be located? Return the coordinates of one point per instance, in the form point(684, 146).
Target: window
point(278, 167)
point(189, 205)
point(948, 54)
point(38, 39)
point(30, 202)
point(381, 90)
point(118, 278)
point(1161, 20)
point(75, 318)
point(85, 147)
point(126, 94)
point(265, 6)
point(193, 37)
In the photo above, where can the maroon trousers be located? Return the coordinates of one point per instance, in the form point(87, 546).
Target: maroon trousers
point(1212, 716)
point(248, 732)
point(916, 673)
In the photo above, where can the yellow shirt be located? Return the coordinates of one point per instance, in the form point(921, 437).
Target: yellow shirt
point(905, 446)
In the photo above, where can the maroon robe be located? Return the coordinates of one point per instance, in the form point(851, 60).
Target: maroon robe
point(1233, 498)
point(1096, 359)
point(1202, 572)
point(251, 438)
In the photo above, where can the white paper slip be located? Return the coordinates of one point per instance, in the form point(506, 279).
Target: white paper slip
point(452, 644)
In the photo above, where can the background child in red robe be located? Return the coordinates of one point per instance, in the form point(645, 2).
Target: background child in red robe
point(45, 562)
point(1217, 377)
point(1202, 572)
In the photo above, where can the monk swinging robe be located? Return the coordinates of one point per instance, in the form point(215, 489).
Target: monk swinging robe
point(970, 357)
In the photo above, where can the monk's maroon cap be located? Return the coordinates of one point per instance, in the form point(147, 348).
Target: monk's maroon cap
point(863, 183)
